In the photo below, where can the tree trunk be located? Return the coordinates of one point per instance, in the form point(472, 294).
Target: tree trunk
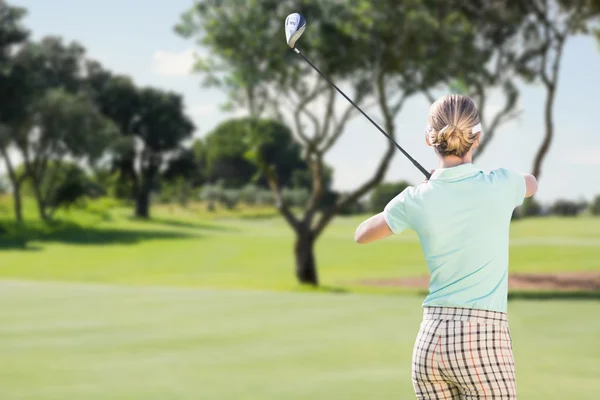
point(142, 203)
point(16, 186)
point(40, 200)
point(306, 269)
point(543, 150)
point(17, 203)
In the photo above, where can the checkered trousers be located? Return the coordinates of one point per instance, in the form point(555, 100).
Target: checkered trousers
point(463, 354)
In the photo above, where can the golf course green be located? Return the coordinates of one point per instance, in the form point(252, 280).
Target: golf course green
point(190, 306)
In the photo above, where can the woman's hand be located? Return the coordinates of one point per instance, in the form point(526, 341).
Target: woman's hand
point(427, 180)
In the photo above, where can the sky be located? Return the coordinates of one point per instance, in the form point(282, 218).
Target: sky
point(136, 38)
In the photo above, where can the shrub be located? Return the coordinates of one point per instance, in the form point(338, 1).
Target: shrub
point(249, 194)
point(595, 206)
point(4, 185)
point(296, 197)
point(211, 195)
point(567, 208)
point(384, 193)
point(230, 198)
point(265, 198)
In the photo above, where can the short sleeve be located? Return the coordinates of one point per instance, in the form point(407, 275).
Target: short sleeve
point(515, 185)
point(395, 213)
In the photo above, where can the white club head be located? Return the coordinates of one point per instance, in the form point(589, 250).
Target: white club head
point(294, 27)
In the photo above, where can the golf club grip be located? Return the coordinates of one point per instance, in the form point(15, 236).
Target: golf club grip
point(415, 163)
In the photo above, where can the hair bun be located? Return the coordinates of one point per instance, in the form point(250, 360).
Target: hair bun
point(450, 130)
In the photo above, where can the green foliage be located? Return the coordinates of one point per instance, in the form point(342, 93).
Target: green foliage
point(568, 208)
point(595, 206)
point(384, 193)
point(4, 185)
point(296, 197)
point(234, 150)
point(177, 190)
point(252, 194)
point(184, 165)
point(71, 125)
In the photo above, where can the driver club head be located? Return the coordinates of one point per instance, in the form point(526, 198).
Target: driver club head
point(294, 28)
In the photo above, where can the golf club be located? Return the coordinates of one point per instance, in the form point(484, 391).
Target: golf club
point(294, 28)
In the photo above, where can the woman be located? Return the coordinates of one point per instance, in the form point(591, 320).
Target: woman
point(462, 216)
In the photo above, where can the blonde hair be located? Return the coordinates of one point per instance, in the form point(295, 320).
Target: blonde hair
point(451, 122)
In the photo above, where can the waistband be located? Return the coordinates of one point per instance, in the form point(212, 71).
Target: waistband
point(466, 315)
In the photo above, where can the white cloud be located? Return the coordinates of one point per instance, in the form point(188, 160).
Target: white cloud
point(167, 63)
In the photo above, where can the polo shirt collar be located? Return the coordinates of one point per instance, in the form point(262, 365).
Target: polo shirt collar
point(455, 173)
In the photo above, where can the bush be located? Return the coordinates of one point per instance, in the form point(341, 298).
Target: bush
point(211, 195)
point(384, 193)
point(4, 185)
point(567, 208)
point(218, 194)
point(176, 190)
point(265, 198)
point(296, 197)
point(72, 185)
point(595, 206)
point(230, 198)
point(529, 208)
point(249, 194)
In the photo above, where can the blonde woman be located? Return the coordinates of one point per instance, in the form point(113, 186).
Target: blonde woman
point(462, 215)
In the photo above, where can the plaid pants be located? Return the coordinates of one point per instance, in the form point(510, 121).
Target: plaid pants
point(463, 354)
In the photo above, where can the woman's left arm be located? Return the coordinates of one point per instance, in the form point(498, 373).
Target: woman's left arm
point(372, 229)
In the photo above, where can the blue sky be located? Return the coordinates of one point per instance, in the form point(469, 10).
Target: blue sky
point(135, 37)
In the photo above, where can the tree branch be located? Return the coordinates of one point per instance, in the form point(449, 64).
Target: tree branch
point(318, 188)
point(340, 125)
point(327, 216)
point(301, 109)
point(428, 95)
point(273, 182)
point(329, 115)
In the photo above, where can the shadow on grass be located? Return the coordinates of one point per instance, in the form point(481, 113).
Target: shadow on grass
point(550, 295)
point(183, 224)
point(19, 238)
point(322, 289)
point(555, 295)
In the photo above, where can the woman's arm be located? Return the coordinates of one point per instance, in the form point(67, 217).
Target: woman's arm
point(531, 185)
point(372, 229)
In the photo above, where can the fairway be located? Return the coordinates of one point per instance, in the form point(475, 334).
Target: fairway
point(72, 341)
point(189, 306)
point(181, 248)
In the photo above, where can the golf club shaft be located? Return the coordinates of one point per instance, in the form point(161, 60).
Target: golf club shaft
point(415, 163)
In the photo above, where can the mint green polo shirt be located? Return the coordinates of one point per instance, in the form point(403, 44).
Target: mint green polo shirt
point(462, 216)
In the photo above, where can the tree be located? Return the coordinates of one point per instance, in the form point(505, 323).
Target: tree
point(567, 208)
point(160, 126)
point(43, 75)
point(183, 164)
point(118, 99)
point(384, 193)
point(65, 127)
point(551, 24)
point(13, 104)
point(227, 145)
point(492, 66)
point(152, 124)
point(382, 51)
point(595, 207)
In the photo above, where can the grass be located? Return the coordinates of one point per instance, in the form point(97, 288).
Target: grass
point(103, 306)
point(61, 341)
point(177, 247)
